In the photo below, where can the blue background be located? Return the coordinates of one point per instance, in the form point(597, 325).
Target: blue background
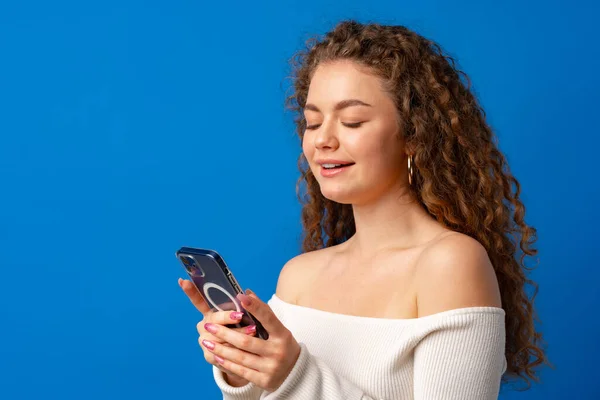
point(129, 129)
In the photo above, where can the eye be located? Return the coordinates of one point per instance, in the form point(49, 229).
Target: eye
point(347, 124)
point(353, 124)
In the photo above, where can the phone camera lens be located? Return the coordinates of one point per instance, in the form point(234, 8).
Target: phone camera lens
point(189, 264)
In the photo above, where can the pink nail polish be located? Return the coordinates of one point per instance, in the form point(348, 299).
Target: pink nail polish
point(210, 327)
point(236, 315)
point(251, 329)
point(208, 344)
point(219, 359)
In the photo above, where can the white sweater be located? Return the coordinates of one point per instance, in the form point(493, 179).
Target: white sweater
point(456, 354)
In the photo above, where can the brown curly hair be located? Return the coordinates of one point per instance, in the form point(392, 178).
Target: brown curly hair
point(461, 177)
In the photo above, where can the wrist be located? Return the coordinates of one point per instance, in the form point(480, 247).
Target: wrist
point(234, 380)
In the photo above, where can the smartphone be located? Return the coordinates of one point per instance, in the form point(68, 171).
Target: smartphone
point(217, 285)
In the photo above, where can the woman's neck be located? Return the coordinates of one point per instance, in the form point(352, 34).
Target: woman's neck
point(395, 220)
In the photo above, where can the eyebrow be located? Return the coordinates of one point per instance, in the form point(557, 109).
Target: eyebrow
point(339, 106)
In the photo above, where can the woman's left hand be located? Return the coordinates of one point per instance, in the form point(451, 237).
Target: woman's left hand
point(266, 363)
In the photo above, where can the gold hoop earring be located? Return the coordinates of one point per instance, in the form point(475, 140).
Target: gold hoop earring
point(410, 170)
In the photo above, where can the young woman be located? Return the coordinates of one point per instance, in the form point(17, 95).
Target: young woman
point(411, 283)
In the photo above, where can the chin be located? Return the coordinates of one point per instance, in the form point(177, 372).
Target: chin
point(339, 196)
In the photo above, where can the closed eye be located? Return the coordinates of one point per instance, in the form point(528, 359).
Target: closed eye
point(349, 125)
point(353, 125)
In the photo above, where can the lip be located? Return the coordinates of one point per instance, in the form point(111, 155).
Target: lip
point(331, 161)
point(329, 173)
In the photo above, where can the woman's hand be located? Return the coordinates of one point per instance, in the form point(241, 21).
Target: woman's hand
point(216, 318)
point(266, 363)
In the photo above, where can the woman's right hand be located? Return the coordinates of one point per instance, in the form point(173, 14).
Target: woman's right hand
point(217, 318)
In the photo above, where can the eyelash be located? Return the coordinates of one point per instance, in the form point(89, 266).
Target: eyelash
point(352, 125)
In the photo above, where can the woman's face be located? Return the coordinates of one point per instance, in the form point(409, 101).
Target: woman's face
point(350, 120)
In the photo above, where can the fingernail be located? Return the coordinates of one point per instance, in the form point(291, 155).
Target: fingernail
point(219, 359)
point(251, 329)
point(236, 315)
point(248, 291)
point(179, 281)
point(246, 301)
point(208, 344)
point(210, 327)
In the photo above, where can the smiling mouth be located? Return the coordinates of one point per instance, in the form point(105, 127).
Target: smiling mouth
point(335, 166)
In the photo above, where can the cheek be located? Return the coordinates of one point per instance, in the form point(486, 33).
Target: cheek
point(308, 150)
point(368, 147)
point(380, 153)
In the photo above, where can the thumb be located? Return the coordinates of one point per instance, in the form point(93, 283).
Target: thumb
point(251, 294)
point(194, 295)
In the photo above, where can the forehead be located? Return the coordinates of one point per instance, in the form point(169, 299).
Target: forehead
point(344, 79)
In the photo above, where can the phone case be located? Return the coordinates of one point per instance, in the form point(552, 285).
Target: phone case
point(217, 285)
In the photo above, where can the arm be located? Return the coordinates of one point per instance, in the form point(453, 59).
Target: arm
point(464, 357)
point(309, 379)
point(460, 357)
point(312, 379)
point(248, 392)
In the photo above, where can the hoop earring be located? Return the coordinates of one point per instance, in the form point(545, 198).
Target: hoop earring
point(410, 170)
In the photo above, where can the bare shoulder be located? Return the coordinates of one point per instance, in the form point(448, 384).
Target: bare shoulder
point(455, 272)
point(297, 272)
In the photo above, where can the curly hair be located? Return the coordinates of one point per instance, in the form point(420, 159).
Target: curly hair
point(461, 177)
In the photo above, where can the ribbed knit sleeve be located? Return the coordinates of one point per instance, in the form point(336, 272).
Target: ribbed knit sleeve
point(312, 379)
point(248, 392)
point(457, 357)
point(461, 357)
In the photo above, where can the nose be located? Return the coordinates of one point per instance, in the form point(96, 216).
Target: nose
point(326, 137)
